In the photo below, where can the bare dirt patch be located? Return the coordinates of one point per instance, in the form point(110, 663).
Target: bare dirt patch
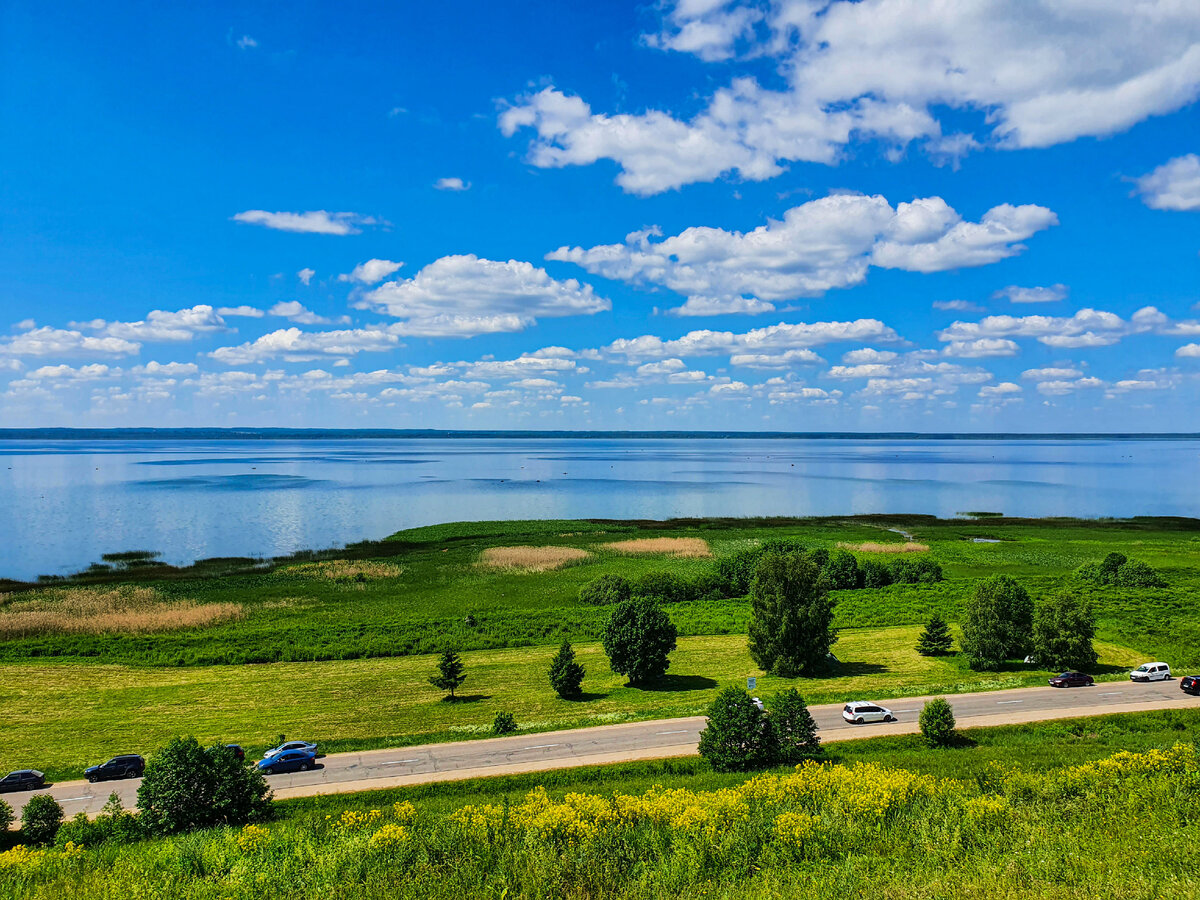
point(531, 559)
point(685, 547)
point(117, 610)
point(869, 547)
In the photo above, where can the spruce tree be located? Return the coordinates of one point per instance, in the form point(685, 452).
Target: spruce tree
point(737, 737)
point(566, 675)
point(793, 727)
point(935, 640)
point(450, 672)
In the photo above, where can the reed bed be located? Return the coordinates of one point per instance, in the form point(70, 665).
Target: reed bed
point(124, 609)
point(344, 570)
point(870, 547)
point(686, 548)
point(531, 559)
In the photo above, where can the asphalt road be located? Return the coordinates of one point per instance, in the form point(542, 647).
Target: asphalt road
point(366, 770)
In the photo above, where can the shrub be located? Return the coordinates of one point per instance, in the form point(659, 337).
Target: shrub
point(915, 571)
point(450, 674)
point(41, 819)
point(708, 587)
point(1110, 566)
point(566, 675)
point(737, 737)
point(791, 626)
point(937, 723)
point(793, 730)
point(842, 572)
point(1136, 573)
point(935, 640)
point(665, 587)
point(1117, 570)
point(504, 723)
point(7, 817)
point(736, 572)
point(187, 786)
point(638, 638)
point(605, 590)
point(875, 574)
point(998, 623)
point(1063, 628)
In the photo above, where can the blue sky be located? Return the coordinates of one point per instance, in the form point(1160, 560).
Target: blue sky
point(791, 215)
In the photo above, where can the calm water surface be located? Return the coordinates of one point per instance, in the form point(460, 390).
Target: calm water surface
point(63, 503)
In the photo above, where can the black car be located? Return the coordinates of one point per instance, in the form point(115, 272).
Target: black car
point(1071, 679)
point(1190, 683)
point(129, 765)
point(237, 751)
point(22, 780)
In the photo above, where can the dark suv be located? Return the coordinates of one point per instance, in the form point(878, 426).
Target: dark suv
point(1190, 683)
point(129, 765)
point(23, 780)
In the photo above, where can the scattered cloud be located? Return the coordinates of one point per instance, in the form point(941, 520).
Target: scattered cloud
point(372, 271)
point(773, 339)
point(314, 222)
point(818, 246)
point(245, 42)
point(981, 347)
point(1003, 389)
point(1175, 185)
point(957, 306)
point(1052, 373)
point(295, 345)
point(297, 312)
point(247, 312)
point(451, 184)
point(1087, 328)
point(1191, 351)
point(160, 325)
point(48, 341)
point(1014, 294)
point(465, 295)
point(306, 276)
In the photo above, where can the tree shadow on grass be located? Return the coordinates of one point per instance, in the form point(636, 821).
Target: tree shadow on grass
point(584, 697)
point(467, 698)
point(849, 669)
point(678, 683)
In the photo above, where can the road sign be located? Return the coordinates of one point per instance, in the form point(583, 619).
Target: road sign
point(751, 682)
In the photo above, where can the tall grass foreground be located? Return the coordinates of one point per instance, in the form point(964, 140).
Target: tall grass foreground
point(1079, 831)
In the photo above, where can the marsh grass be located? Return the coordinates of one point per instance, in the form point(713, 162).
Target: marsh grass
point(531, 559)
point(124, 609)
point(686, 548)
point(345, 570)
point(870, 547)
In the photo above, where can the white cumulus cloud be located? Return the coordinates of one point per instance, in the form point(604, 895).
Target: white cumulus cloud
point(313, 222)
point(372, 271)
point(1014, 294)
point(1175, 185)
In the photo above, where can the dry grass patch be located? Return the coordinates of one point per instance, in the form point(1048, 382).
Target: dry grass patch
point(345, 570)
point(117, 610)
point(684, 547)
point(869, 547)
point(531, 559)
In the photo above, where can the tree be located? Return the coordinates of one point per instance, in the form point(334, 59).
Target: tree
point(566, 675)
point(937, 723)
point(7, 817)
point(794, 732)
point(40, 819)
point(791, 625)
point(188, 786)
point(450, 672)
point(605, 590)
point(841, 572)
point(638, 638)
point(1111, 566)
point(935, 640)
point(737, 737)
point(999, 622)
point(875, 574)
point(504, 723)
point(1135, 573)
point(665, 587)
point(1063, 628)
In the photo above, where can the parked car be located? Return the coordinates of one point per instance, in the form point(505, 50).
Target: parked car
point(128, 765)
point(1190, 683)
point(292, 745)
point(1072, 679)
point(237, 751)
point(22, 780)
point(860, 712)
point(287, 761)
point(1152, 671)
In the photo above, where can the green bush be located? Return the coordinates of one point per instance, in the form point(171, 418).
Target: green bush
point(736, 572)
point(1063, 629)
point(737, 737)
point(793, 730)
point(40, 819)
point(915, 571)
point(665, 587)
point(638, 639)
point(935, 640)
point(791, 629)
point(7, 817)
point(605, 591)
point(450, 674)
point(566, 675)
point(841, 572)
point(504, 723)
point(875, 574)
point(1136, 573)
point(1118, 571)
point(187, 786)
point(998, 624)
point(937, 723)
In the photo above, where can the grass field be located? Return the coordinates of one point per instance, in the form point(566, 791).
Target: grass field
point(1036, 811)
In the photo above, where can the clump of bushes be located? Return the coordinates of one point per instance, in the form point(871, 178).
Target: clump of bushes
point(504, 723)
point(1117, 570)
point(740, 737)
point(115, 825)
point(937, 723)
point(41, 819)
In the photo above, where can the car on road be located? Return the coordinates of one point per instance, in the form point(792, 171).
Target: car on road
point(1190, 683)
point(287, 761)
point(1072, 679)
point(1151, 671)
point(292, 745)
point(859, 712)
point(758, 704)
point(128, 765)
point(22, 780)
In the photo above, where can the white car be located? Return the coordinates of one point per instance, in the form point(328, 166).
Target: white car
point(758, 704)
point(291, 745)
point(1153, 671)
point(860, 712)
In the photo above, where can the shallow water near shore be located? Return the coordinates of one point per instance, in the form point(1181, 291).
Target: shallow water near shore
point(66, 502)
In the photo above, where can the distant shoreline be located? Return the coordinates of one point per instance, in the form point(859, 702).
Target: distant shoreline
point(278, 434)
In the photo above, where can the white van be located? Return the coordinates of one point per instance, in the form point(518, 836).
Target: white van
point(1155, 671)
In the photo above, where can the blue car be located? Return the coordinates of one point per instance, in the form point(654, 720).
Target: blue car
point(288, 761)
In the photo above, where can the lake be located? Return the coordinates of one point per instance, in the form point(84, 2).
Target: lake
point(65, 502)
